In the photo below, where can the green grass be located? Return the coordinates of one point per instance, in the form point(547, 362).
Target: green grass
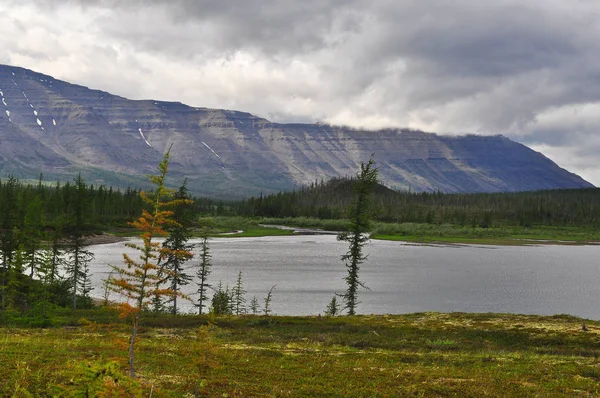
point(257, 231)
point(447, 233)
point(409, 232)
point(451, 233)
point(426, 354)
point(222, 227)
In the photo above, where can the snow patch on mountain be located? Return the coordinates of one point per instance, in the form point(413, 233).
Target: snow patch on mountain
point(206, 145)
point(144, 138)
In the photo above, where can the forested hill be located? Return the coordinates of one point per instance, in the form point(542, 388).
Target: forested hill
point(332, 199)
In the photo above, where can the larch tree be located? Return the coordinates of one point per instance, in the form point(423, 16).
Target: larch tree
point(357, 235)
point(137, 279)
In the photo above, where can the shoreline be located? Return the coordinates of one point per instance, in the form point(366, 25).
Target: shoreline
point(103, 239)
point(108, 238)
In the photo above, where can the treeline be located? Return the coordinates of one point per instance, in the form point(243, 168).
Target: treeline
point(108, 207)
point(102, 205)
point(331, 200)
point(43, 231)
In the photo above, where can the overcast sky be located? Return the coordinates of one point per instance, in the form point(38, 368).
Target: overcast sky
point(527, 69)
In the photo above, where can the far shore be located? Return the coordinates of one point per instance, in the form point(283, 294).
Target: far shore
point(277, 230)
point(102, 239)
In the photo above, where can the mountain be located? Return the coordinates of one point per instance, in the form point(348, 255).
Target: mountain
point(61, 129)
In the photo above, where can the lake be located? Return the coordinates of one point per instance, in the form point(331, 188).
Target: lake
point(403, 278)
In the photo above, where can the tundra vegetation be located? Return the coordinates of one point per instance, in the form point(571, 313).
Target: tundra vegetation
point(425, 354)
point(58, 341)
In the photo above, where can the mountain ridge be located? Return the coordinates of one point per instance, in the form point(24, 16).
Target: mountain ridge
point(61, 129)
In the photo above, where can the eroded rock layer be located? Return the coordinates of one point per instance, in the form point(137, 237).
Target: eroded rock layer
point(61, 129)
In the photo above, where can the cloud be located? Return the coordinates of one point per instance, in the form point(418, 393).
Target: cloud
point(529, 70)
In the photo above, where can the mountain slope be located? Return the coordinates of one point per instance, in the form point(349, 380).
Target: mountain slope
point(60, 129)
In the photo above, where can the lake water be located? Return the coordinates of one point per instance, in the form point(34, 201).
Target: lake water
point(402, 278)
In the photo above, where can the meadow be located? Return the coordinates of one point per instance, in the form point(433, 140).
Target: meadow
point(422, 354)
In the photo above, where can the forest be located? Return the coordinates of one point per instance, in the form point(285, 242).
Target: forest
point(44, 226)
point(331, 200)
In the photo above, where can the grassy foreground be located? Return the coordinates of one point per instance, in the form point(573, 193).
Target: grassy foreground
point(427, 354)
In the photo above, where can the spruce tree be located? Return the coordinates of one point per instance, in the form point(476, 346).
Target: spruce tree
point(78, 257)
point(357, 237)
point(221, 302)
point(254, 308)
point(32, 232)
point(178, 250)
point(44, 273)
point(8, 226)
point(17, 283)
point(203, 273)
point(238, 292)
point(268, 300)
point(333, 308)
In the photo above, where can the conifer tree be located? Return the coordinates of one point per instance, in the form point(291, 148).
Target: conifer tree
point(16, 285)
point(221, 302)
point(178, 250)
point(78, 257)
point(254, 305)
point(8, 227)
point(137, 279)
point(203, 273)
point(45, 275)
point(32, 232)
point(238, 299)
point(268, 300)
point(357, 236)
point(57, 260)
point(333, 308)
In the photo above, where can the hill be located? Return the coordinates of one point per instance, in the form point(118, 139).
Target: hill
point(61, 129)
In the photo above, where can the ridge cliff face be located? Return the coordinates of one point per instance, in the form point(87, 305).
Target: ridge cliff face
point(61, 129)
